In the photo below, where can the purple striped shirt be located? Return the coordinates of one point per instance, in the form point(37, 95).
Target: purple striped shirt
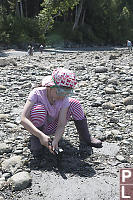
point(39, 96)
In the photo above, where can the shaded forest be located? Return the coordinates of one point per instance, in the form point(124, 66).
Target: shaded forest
point(85, 22)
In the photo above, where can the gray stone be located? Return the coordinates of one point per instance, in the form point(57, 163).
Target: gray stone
point(110, 90)
point(120, 158)
point(96, 104)
point(115, 132)
point(108, 105)
point(112, 57)
point(118, 137)
point(18, 152)
point(4, 116)
point(128, 101)
point(28, 66)
point(20, 181)
point(129, 108)
point(2, 198)
point(7, 61)
point(128, 79)
point(18, 120)
point(114, 120)
point(113, 81)
point(12, 164)
point(101, 69)
point(11, 125)
point(2, 87)
point(6, 175)
point(2, 184)
point(4, 148)
point(125, 142)
point(131, 134)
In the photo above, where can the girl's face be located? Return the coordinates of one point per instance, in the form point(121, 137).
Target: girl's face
point(64, 91)
point(55, 95)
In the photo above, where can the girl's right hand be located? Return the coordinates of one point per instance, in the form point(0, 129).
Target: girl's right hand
point(44, 140)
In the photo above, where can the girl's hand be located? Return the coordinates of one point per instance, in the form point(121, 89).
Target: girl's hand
point(47, 142)
point(44, 140)
point(54, 145)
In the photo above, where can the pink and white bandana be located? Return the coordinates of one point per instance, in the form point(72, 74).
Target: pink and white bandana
point(60, 77)
point(48, 81)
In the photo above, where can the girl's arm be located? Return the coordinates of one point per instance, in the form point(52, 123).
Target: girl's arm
point(60, 127)
point(29, 126)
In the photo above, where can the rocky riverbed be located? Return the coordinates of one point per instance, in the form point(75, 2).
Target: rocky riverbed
point(105, 90)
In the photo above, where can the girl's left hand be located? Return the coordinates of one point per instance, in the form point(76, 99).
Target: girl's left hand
point(54, 145)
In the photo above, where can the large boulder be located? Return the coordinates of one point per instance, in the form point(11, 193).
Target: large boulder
point(20, 181)
point(12, 164)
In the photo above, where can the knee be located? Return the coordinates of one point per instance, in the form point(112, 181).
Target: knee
point(38, 115)
point(74, 103)
point(76, 110)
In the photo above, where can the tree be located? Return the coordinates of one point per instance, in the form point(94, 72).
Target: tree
point(53, 8)
point(78, 13)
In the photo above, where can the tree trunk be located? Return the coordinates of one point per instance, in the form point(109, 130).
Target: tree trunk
point(37, 7)
point(64, 17)
point(77, 15)
point(21, 9)
point(47, 25)
point(83, 18)
point(26, 10)
point(17, 9)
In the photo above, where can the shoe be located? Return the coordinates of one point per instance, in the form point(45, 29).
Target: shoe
point(84, 135)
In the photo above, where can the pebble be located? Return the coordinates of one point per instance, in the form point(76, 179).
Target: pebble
point(4, 116)
point(110, 90)
point(6, 175)
point(108, 105)
point(129, 108)
point(4, 148)
point(120, 158)
point(2, 87)
point(128, 101)
point(101, 69)
point(2, 198)
point(18, 152)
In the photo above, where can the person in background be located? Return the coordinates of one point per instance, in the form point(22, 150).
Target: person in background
point(129, 45)
point(41, 48)
point(49, 108)
point(30, 50)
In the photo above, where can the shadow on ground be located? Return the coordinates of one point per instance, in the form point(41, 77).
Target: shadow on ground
point(72, 160)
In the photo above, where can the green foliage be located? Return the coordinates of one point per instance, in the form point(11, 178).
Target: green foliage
point(83, 34)
point(111, 21)
point(24, 30)
point(125, 13)
point(53, 8)
point(75, 36)
point(100, 22)
point(63, 32)
point(58, 6)
point(88, 36)
point(54, 40)
point(4, 38)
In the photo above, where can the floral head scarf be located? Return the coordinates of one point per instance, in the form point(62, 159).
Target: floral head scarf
point(61, 77)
